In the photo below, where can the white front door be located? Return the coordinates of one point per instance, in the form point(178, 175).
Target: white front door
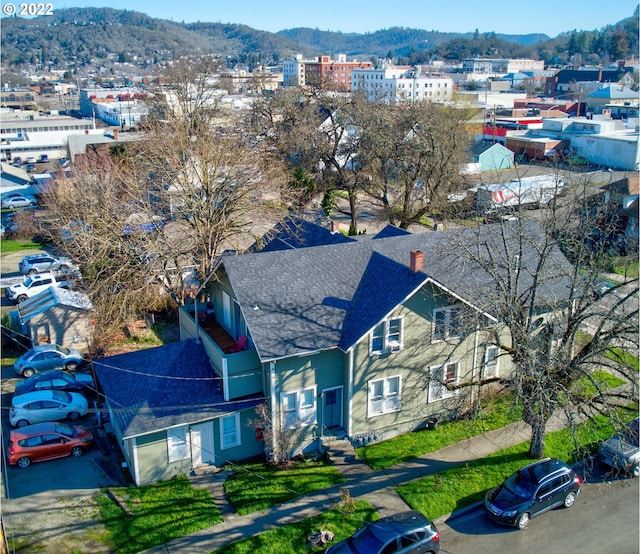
point(202, 444)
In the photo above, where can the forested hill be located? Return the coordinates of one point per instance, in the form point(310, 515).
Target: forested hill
point(82, 35)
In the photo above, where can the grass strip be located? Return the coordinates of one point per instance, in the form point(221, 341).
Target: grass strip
point(292, 538)
point(494, 414)
point(623, 357)
point(450, 490)
point(156, 514)
point(257, 486)
point(600, 381)
point(17, 245)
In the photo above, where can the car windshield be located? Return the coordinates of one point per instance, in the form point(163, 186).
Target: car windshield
point(62, 349)
point(519, 485)
point(28, 281)
point(66, 430)
point(365, 541)
point(28, 354)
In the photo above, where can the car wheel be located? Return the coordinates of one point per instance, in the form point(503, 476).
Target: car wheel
point(570, 499)
point(76, 451)
point(22, 423)
point(28, 372)
point(73, 416)
point(24, 462)
point(71, 366)
point(635, 470)
point(522, 521)
point(32, 272)
point(21, 298)
point(63, 267)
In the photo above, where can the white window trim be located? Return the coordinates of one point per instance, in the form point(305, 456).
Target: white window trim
point(387, 344)
point(448, 310)
point(238, 441)
point(446, 393)
point(178, 444)
point(386, 397)
point(491, 369)
point(304, 415)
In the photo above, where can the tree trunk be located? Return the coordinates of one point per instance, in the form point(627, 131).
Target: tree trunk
point(536, 449)
point(353, 207)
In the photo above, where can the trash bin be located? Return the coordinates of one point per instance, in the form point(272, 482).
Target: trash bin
point(432, 423)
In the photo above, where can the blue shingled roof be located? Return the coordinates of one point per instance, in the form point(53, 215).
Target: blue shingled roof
point(162, 387)
point(295, 233)
point(303, 300)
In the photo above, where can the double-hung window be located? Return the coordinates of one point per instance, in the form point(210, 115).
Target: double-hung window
point(384, 396)
point(386, 336)
point(298, 408)
point(442, 378)
point(230, 430)
point(491, 361)
point(447, 323)
point(177, 445)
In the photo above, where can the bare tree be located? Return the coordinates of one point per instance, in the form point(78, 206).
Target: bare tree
point(413, 154)
point(542, 279)
point(187, 190)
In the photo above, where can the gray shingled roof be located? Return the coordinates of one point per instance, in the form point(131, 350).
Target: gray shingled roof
point(163, 387)
point(304, 300)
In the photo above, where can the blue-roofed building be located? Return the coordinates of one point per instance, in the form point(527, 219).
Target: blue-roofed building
point(169, 412)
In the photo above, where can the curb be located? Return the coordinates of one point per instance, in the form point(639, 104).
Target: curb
point(460, 512)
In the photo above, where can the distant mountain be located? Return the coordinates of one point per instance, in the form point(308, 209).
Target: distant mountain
point(400, 40)
point(92, 37)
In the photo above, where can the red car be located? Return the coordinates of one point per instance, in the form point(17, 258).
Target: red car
point(46, 441)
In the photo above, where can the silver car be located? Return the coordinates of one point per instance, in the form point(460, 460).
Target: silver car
point(47, 356)
point(46, 405)
point(37, 263)
point(622, 451)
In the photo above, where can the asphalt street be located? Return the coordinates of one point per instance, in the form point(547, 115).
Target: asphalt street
point(605, 518)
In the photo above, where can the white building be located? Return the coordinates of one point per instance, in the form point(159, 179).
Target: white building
point(127, 113)
point(401, 84)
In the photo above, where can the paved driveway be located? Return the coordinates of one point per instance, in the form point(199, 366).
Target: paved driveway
point(49, 507)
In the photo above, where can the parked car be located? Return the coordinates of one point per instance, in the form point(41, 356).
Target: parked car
point(622, 451)
point(43, 158)
point(47, 356)
point(404, 532)
point(18, 201)
point(46, 441)
point(532, 491)
point(30, 160)
point(37, 263)
point(16, 160)
point(30, 167)
point(32, 285)
point(56, 379)
point(46, 405)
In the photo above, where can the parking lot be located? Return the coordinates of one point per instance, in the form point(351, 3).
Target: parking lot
point(49, 506)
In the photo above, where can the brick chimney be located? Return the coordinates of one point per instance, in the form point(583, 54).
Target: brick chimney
point(115, 134)
point(416, 262)
point(335, 227)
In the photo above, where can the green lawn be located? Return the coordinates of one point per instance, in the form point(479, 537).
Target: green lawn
point(17, 245)
point(495, 413)
point(623, 357)
point(161, 512)
point(444, 492)
point(292, 538)
point(256, 486)
point(602, 381)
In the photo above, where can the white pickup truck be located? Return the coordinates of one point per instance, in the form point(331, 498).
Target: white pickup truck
point(32, 285)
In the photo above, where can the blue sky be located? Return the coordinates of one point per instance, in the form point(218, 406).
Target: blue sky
point(360, 16)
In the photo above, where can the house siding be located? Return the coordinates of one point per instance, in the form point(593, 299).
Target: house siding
point(66, 326)
point(152, 457)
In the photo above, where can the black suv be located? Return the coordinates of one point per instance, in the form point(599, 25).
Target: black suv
point(531, 491)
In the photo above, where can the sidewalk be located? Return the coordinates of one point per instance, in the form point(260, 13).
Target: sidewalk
point(377, 487)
